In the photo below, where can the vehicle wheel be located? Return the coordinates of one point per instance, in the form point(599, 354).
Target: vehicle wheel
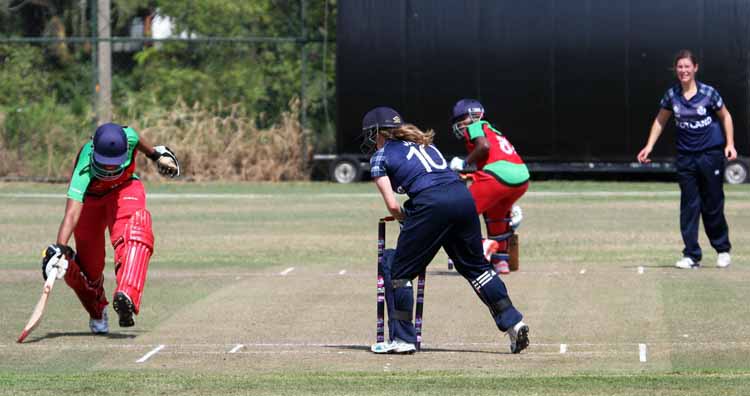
point(346, 171)
point(735, 172)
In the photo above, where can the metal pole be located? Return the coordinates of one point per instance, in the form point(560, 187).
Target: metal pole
point(94, 63)
point(104, 60)
point(303, 66)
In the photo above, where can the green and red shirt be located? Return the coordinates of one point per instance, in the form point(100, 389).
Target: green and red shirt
point(503, 162)
point(83, 182)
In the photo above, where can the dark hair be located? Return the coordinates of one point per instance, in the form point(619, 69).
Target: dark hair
point(682, 54)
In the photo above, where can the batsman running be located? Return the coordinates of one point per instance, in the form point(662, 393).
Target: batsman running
point(440, 212)
point(501, 177)
point(105, 193)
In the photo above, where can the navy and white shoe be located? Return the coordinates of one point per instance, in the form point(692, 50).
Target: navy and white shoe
point(124, 307)
point(519, 337)
point(687, 263)
point(100, 326)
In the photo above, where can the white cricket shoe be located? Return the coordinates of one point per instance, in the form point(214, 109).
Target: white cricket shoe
point(723, 260)
point(501, 267)
point(519, 337)
point(687, 263)
point(100, 326)
point(395, 346)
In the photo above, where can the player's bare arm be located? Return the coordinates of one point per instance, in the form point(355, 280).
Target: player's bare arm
point(656, 129)
point(384, 186)
point(480, 152)
point(70, 220)
point(728, 126)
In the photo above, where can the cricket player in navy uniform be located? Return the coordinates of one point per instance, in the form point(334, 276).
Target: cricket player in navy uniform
point(705, 138)
point(440, 212)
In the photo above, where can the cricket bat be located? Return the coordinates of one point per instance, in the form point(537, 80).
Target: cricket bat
point(513, 252)
point(36, 316)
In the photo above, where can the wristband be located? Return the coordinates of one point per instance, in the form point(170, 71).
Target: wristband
point(154, 156)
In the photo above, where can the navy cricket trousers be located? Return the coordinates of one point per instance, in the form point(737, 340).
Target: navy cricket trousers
point(445, 216)
point(442, 216)
point(701, 178)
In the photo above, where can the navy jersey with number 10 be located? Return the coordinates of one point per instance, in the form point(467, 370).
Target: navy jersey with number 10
point(411, 167)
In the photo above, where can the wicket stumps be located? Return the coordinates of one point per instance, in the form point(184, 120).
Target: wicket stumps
point(381, 290)
point(381, 281)
point(419, 308)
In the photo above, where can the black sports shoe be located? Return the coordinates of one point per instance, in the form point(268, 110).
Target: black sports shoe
point(519, 337)
point(123, 305)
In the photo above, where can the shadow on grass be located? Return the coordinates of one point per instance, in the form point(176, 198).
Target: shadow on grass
point(444, 273)
point(635, 267)
point(366, 348)
point(112, 336)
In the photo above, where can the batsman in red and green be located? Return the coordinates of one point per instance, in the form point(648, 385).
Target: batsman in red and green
point(105, 194)
point(501, 176)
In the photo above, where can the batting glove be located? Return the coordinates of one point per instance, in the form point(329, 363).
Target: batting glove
point(166, 161)
point(457, 164)
point(56, 256)
point(516, 215)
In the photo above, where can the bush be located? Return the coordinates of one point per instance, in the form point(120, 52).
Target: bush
point(40, 140)
point(225, 144)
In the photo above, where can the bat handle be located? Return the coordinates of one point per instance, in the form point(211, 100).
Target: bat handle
point(51, 277)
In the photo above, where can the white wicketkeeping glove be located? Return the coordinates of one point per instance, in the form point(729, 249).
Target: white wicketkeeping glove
point(516, 215)
point(457, 164)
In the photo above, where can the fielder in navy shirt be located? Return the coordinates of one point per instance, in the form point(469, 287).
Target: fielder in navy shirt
point(705, 140)
point(439, 213)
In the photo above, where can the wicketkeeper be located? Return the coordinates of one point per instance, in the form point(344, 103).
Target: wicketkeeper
point(105, 193)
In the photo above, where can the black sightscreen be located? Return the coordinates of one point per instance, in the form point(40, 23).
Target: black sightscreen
point(566, 80)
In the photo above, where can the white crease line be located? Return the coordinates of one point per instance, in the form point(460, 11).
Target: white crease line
point(640, 270)
point(342, 272)
point(563, 348)
point(236, 348)
point(353, 344)
point(151, 353)
point(642, 352)
point(294, 194)
point(286, 271)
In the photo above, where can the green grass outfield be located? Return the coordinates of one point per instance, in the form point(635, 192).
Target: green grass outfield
point(268, 289)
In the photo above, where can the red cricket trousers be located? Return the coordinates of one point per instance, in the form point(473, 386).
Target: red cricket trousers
point(111, 212)
point(494, 200)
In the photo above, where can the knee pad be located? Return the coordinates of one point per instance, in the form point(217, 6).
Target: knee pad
point(399, 298)
point(133, 251)
point(491, 290)
point(400, 323)
point(493, 293)
point(89, 292)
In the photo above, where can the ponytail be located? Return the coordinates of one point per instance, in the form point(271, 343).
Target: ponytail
point(409, 132)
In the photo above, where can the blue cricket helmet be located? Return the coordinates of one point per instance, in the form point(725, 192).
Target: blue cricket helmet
point(463, 108)
point(470, 107)
point(110, 151)
point(381, 117)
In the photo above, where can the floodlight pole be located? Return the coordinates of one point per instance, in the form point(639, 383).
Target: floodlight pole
point(104, 62)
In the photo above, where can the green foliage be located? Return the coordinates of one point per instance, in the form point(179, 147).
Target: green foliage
point(20, 80)
point(44, 136)
point(262, 78)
